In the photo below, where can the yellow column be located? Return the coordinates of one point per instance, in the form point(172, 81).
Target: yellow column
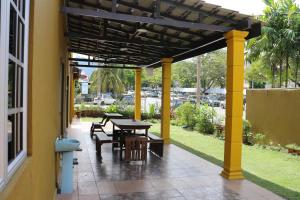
point(138, 85)
point(72, 92)
point(234, 105)
point(166, 101)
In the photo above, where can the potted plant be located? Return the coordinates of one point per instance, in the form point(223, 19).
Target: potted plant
point(293, 149)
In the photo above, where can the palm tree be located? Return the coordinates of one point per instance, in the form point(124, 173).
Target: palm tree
point(277, 41)
point(107, 80)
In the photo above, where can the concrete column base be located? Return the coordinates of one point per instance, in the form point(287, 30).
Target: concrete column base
point(232, 175)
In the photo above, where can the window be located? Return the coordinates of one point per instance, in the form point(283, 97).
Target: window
point(13, 86)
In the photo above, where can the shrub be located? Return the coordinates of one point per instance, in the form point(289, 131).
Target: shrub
point(248, 136)
point(112, 109)
point(259, 139)
point(185, 114)
point(204, 119)
point(152, 111)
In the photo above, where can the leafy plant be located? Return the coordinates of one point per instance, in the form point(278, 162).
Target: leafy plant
point(293, 146)
point(204, 119)
point(259, 139)
point(185, 114)
point(248, 136)
point(152, 112)
point(112, 109)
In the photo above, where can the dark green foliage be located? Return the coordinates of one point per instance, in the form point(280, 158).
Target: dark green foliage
point(204, 119)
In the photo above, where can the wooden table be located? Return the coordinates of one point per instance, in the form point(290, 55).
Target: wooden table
point(109, 116)
point(105, 119)
point(129, 125)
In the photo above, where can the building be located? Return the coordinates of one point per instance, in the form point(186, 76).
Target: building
point(37, 80)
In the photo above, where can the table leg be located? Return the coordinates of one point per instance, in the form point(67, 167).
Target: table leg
point(122, 138)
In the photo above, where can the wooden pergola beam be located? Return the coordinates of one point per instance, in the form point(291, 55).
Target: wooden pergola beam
point(122, 41)
point(148, 20)
point(99, 52)
point(104, 66)
point(102, 61)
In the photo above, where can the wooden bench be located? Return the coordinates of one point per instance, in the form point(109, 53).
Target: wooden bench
point(156, 144)
point(96, 127)
point(102, 138)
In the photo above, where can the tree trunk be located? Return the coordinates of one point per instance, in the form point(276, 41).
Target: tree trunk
point(296, 76)
point(273, 76)
point(280, 74)
point(198, 81)
point(287, 71)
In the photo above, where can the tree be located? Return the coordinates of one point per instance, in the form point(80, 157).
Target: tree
point(106, 80)
point(213, 69)
point(128, 77)
point(152, 81)
point(184, 73)
point(277, 43)
point(256, 75)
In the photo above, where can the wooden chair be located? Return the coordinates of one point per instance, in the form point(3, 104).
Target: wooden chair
point(135, 148)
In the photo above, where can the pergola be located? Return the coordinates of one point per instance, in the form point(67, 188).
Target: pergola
point(138, 34)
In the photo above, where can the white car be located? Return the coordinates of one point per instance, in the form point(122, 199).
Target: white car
point(96, 100)
point(106, 99)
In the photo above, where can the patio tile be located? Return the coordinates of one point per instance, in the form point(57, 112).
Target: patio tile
point(85, 176)
point(87, 188)
point(89, 197)
point(106, 188)
point(178, 175)
point(133, 186)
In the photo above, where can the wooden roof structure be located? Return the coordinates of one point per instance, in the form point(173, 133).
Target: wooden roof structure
point(141, 32)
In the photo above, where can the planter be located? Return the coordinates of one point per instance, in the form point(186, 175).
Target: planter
point(294, 151)
point(78, 114)
point(291, 151)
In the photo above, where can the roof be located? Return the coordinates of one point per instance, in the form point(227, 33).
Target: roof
point(141, 32)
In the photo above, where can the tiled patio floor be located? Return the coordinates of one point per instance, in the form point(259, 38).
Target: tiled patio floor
point(179, 175)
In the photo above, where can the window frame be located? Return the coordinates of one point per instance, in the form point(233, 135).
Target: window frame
point(8, 170)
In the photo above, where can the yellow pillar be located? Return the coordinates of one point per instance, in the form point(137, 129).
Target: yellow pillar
point(166, 101)
point(138, 85)
point(234, 105)
point(72, 92)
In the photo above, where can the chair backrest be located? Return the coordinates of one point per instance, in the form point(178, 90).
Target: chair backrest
point(135, 148)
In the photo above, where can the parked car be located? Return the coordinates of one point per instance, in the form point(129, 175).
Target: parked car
point(128, 99)
point(223, 104)
point(192, 99)
point(97, 100)
point(213, 101)
point(176, 103)
point(106, 99)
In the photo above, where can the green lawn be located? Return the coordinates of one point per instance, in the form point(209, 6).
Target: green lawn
point(90, 119)
point(276, 171)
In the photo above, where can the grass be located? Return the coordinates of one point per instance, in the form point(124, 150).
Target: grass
point(276, 171)
point(90, 119)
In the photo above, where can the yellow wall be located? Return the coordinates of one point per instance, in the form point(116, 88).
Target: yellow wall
point(276, 113)
point(36, 179)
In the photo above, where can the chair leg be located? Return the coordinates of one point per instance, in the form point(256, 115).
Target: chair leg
point(92, 131)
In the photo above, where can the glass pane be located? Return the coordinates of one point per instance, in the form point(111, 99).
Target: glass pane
point(21, 133)
point(20, 44)
point(20, 86)
point(23, 9)
point(12, 31)
point(11, 84)
point(11, 138)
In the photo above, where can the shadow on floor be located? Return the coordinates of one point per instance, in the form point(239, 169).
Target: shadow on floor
point(277, 189)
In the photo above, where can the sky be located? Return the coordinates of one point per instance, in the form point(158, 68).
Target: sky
point(250, 7)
